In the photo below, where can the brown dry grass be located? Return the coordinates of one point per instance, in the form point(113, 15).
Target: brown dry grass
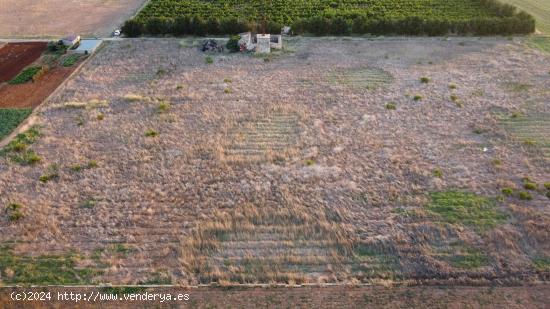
point(45, 18)
point(335, 169)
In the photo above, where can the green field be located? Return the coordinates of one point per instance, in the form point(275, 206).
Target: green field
point(333, 17)
point(10, 119)
point(540, 9)
point(286, 11)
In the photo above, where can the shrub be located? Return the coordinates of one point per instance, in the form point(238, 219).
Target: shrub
point(454, 97)
point(424, 80)
point(51, 173)
point(17, 148)
point(526, 196)
point(530, 186)
point(391, 106)
point(438, 173)
point(14, 212)
point(233, 44)
point(547, 185)
point(417, 98)
point(151, 133)
point(209, 60)
point(452, 86)
point(507, 191)
point(163, 106)
point(133, 28)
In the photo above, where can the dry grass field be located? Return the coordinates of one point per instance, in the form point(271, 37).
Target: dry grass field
point(50, 18)
point(337, 160)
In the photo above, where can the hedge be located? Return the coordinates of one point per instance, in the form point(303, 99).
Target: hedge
point(521, 23)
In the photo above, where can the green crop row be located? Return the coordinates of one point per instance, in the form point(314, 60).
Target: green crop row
point(25, 76)
point(10, 119)
point(423, 17)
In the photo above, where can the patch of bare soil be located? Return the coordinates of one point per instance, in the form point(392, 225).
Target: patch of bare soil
point(29, 18)
point(292, 167)
point(16, 56)
point(32, 94)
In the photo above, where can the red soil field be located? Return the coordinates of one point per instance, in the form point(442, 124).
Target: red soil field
point(32, 94)
point(16, 56)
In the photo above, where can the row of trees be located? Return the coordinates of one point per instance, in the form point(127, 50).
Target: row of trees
point(521, 23)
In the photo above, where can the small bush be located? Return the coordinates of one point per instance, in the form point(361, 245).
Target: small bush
point(88, 203)
point(454, 97)
point(424, 80)
point(163, 106)
point(391, 106)
point(100, 116)
point(452, 86)
point(417, 98)
point(525, 196)
point(233, 44)
point(310, 162)
point(14, 212)
point(227, 80)
point(438, 173)
point(18, 151)
point(227, 90)
point(51, 173)
point(151, 133)
point(547, 185)
point(209, 60)
point(507, 191)
point(530, 186)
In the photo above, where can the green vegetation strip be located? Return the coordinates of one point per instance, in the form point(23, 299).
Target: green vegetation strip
point(10, 119)
point(467, 209)
point(320, 17)
point(70, 60)
point(41, 270)
point(25, 76)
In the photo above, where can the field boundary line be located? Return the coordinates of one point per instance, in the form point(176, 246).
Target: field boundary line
point(274, 285)
point(32, 119)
